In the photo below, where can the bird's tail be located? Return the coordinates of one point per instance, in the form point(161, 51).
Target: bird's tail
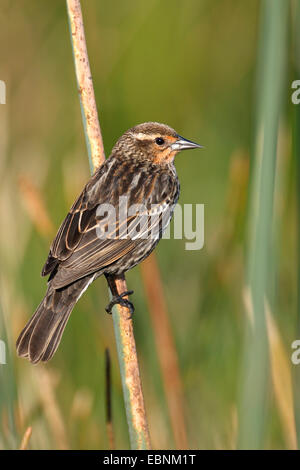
point(40, 338)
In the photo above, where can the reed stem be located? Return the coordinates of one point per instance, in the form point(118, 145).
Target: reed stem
point(272, 44)
point(123, 325)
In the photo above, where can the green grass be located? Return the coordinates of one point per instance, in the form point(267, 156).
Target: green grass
point(272, 65)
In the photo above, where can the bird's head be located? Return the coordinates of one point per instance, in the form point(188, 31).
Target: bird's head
point(153, 141)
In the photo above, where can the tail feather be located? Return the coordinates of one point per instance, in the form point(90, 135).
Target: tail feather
point(40, 338)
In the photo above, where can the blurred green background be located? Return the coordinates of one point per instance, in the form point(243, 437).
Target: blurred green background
point(195, 66)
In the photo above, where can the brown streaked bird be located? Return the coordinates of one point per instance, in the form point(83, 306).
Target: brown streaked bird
point(141, 168)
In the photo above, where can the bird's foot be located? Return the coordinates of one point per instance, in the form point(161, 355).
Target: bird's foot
point(119, 299)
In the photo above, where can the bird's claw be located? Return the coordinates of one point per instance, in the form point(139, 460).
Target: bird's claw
point(119, 299)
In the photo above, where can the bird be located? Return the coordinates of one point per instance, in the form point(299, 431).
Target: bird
point(140, 170)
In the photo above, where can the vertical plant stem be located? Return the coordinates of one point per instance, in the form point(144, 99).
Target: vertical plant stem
point(123, 325)
point(270, 80)
point(109, 425)
point(132, 387)
point(92, 130)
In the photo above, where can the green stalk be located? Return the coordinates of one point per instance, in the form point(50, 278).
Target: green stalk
point(272, 44)
point(123, 326)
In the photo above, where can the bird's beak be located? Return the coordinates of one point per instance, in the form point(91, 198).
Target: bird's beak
point(184, 144)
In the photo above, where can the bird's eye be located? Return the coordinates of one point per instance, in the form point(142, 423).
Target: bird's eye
point(159, 141)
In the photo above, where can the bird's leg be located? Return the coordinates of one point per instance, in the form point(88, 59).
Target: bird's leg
point(118, 298)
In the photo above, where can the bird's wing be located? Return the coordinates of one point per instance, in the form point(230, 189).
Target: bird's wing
point(88, 241)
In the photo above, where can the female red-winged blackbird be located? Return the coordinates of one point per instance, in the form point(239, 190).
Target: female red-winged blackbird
point(139, 170)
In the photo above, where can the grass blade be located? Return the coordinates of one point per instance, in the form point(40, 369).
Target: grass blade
point(272, 43)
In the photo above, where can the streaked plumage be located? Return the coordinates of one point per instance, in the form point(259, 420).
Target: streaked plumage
point(139, 168)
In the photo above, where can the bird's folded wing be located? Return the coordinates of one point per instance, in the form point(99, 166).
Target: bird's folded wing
point(86, 243)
